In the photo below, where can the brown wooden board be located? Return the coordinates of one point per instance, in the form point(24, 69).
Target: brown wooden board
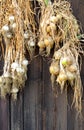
point(48, 112)
point(55, 109)
point(33, 96)
point(4, 114)
point(17, 113)
point(4, 107)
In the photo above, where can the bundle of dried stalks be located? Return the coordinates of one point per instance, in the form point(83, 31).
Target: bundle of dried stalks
point(59, 30)
point(57, 26)
point(17, 28)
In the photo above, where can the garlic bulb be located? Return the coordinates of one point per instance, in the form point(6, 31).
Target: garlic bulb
point(53, 19)
point(14, 65)
point(72, 68)
point(25, 62)
point(54, 70)
point(61, 77)
point(14, 25)
point(58, 17)
point(32, 43)
point(14, 90)
point(53, 26)
point(70, 76)
point(66, 61)
point(26, 35)
point(20, 70)
point(11, 18)
point(48, 42)
point(5, 28)
point(9, 35)
point(57, 55)
point(41, 44)
point(7, 74)
point(48, 29)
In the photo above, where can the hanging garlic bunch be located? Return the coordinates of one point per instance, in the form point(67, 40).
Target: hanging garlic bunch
point(19, 65)
point(29, 28)
point(30, 44)
point(19, 76)
point(46, 29)
point(57, 26)
point(59, 30)
point(65, 69)
point(8, 34)
point(17, 30)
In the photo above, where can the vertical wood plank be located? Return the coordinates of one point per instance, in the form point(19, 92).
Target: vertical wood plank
point(70, 111)
point(61, 113)
point(4, 107)
point(17, 113)
point(32, 97)
point(73, 122)
point(48, 102)
point(4, 114)
point(55, 108)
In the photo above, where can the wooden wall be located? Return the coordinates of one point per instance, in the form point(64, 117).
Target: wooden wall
point(36, 107)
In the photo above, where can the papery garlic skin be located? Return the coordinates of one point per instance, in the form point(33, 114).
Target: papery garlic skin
point(20, 70)
point(14, 90)
point(11, 18)
point(7, 74)
point(5, 28)
point(14, 25)
point(31, 43)
point(53, 19)
point(9, 35)
point(41, 44)
point(14, 65)
point(26, 35)
point(25, 62)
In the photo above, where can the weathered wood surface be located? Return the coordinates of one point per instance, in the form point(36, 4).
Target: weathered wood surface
point(33, 97)
point(36, 107)
point(4, 115)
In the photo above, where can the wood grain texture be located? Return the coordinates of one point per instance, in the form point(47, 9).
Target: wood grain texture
point(33, 97)
point(61, 113)
point(48, 99)
point(4, 114)
point(55, 109)
point(4, 107)
point(73, 123)
point(17, 113)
